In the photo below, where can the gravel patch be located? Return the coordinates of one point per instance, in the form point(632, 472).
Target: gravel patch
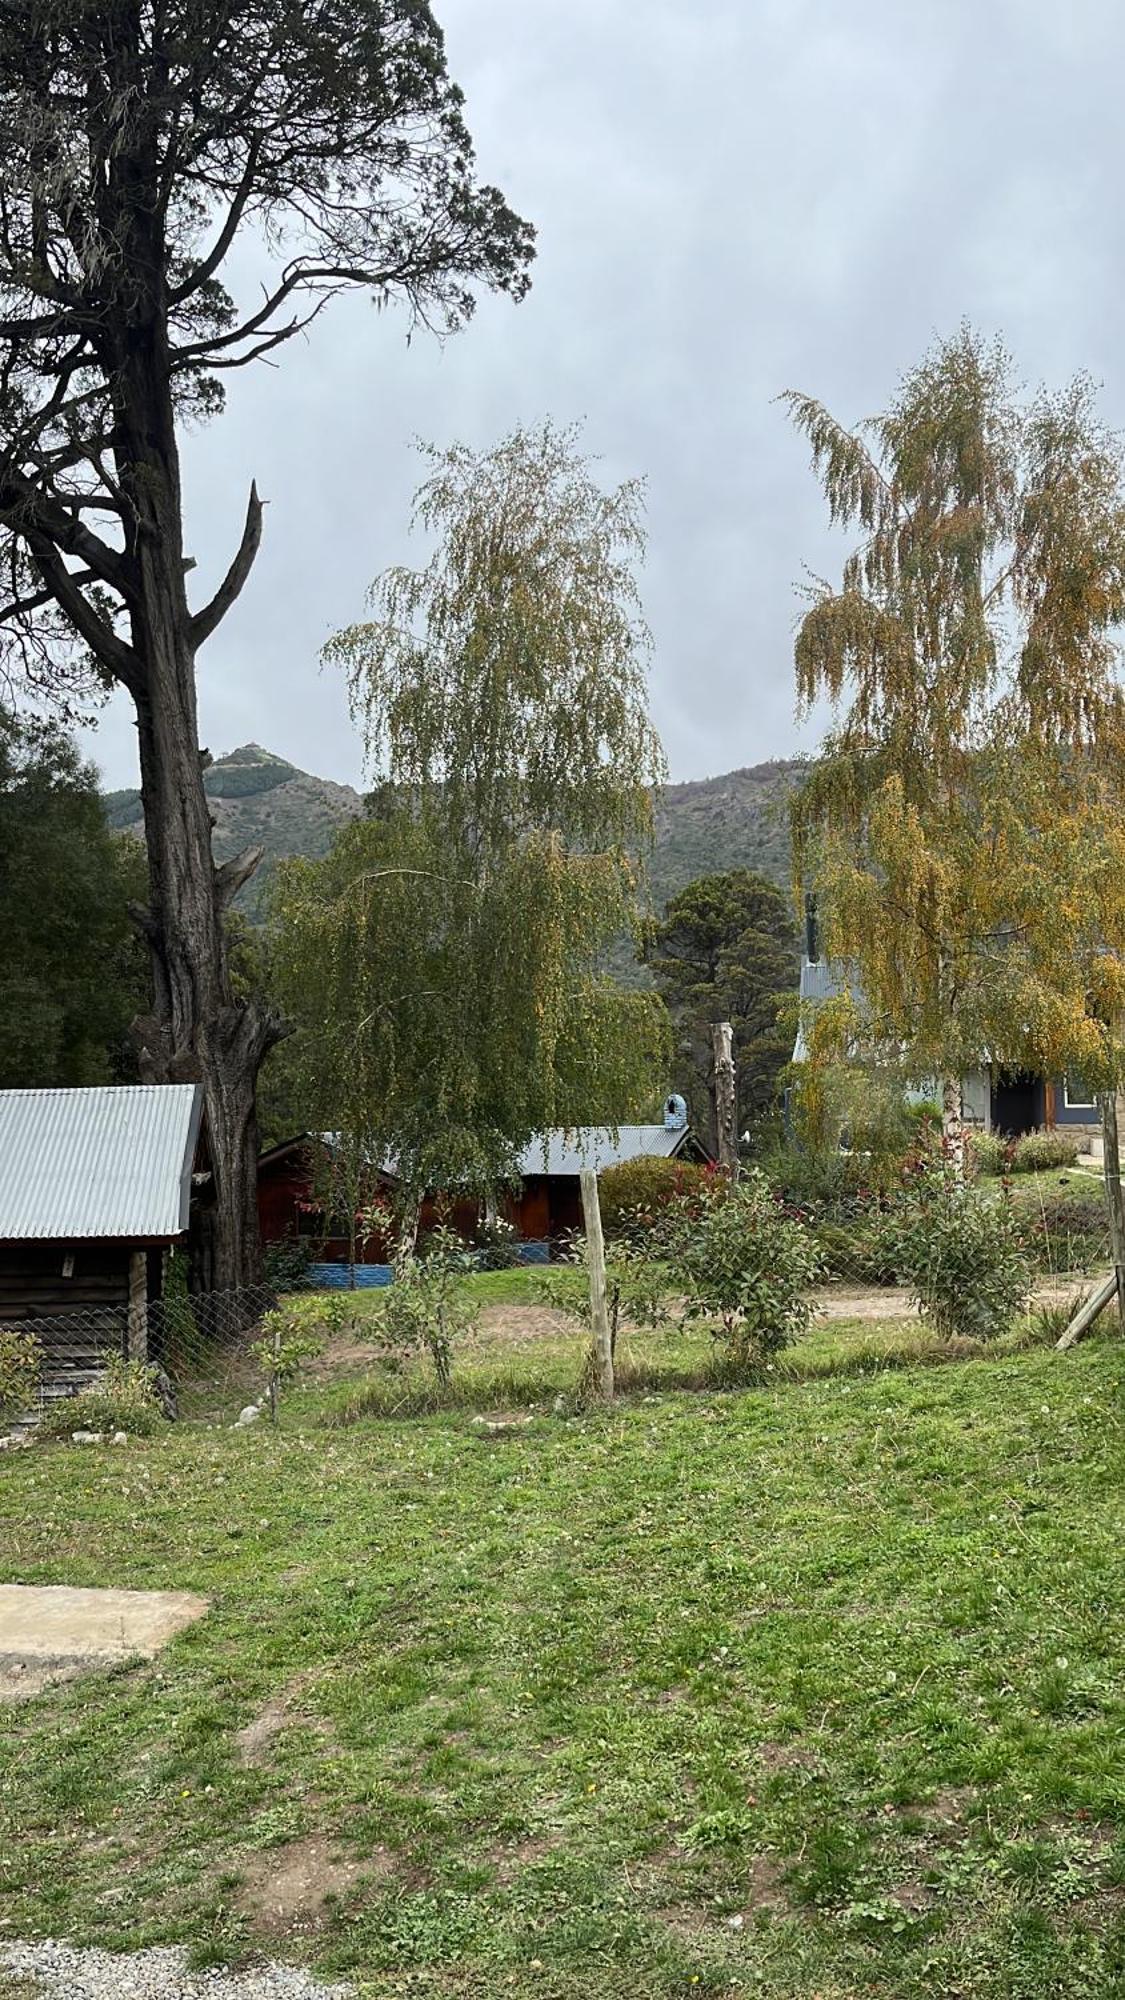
point(61, 1972)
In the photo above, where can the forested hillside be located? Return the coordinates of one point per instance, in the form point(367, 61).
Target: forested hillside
point(736, 821)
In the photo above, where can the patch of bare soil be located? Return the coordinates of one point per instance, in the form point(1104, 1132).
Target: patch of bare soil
point(879, 1302)
point(760, 1890)
point(256, 1739)
point(515, 1325)
point(291, 1889)
point(344, 1355)
point(913, 1897)
point(773, 1757)
point(511, 1858)
point(22, 1680)
point(871, 1302)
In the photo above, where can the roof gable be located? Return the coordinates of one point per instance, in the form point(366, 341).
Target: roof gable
point(110, 1161)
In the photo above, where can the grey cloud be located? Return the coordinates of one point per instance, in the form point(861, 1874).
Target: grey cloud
point(732, 199)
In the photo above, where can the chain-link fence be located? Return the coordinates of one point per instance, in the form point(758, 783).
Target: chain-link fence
point(197, 1340)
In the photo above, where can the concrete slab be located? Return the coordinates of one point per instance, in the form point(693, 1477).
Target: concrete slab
point(51, 1632)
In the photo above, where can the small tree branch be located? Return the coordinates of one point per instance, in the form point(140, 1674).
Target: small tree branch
point(37, 516)
point(208, 265)
point(115, 655)
point(19, 607)
point(234, 874)
point(205, 621)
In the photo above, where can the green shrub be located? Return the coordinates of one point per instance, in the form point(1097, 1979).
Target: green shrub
point(747, 1267)
point(20, 1361)
point(426, 1310)
point(638, 1286)
point(1035, 1153)
point(635, 1194)
point(864, 1252)
point(964, 1258)
point(1067, 1228)
point(1043, 1152)
point(839, 1187)
point(124, 1400)
point(285, 1265)
point(924, 1114)
point(294, 1334)
point(989, 1152)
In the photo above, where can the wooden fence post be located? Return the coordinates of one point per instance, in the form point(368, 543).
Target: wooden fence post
point(1113, 1286)
point(726, 1097)
point(1111, 1148)
point(138, 1306)
point(599, 1307)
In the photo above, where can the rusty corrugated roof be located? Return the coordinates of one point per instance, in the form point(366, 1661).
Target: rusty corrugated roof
point(112, 1160)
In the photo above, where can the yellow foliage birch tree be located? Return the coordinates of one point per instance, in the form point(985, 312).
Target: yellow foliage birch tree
point(964, 826)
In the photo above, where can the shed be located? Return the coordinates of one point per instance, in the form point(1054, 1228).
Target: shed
point(95, 1186)
point(546, 1204)
point(550, 1200)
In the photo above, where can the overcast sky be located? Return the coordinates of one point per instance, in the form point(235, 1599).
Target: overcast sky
point(733, 197)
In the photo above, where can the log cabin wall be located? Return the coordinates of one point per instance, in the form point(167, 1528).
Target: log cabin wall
point(33, 1285)
point(78, 1320)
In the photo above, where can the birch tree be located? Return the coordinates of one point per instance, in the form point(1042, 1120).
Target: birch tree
point(448, 958)
point(963, 827)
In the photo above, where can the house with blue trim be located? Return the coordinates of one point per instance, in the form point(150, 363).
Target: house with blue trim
point(993, 1099)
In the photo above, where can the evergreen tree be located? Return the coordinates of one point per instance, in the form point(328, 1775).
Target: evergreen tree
point(726, 950)
point(72, 971)
point(139, 140)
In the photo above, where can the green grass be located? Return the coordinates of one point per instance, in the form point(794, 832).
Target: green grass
point(812, 1688)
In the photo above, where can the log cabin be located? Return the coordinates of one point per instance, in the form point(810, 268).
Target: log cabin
point(95, 1189)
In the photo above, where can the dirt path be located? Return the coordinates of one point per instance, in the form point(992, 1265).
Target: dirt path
point(893, 1302)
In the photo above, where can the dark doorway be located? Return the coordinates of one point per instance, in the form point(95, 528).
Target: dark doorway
point(1017, 1102)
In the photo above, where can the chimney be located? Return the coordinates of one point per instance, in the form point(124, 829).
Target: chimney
point(812, 931)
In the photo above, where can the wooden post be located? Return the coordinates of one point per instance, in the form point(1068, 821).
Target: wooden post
point(602, 1355)
point(1086, 1315)
point(137, 1338)
point(1112, 1287)
point(726, 1097)
point(1111, 1146)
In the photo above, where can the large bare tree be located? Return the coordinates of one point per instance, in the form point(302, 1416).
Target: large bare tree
point(138, 140)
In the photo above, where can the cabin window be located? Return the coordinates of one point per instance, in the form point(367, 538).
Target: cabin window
point(1077, 1095)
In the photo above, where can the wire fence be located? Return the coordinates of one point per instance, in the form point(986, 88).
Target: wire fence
point(192, 1339)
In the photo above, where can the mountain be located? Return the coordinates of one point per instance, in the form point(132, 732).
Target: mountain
point(257, 799)
point(738, 821)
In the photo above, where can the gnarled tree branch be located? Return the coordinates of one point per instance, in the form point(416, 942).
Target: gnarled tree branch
point(205, 621)
point(234, 874)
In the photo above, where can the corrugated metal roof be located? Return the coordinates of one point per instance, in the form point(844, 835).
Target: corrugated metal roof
point(108, 1161)
point(562, 1152)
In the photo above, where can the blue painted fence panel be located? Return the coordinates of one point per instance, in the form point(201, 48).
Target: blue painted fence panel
point(337, 1277)
point(535, 1253)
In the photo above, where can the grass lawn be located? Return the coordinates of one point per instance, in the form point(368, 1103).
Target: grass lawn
point(812, 1689)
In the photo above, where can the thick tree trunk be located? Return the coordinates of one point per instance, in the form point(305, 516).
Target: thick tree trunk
point(726, 1098)
point(198, 1030)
